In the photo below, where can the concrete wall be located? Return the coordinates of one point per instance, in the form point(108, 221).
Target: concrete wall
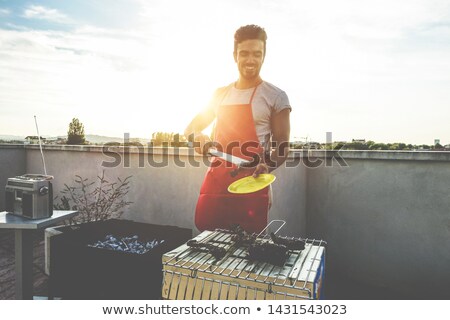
point(385, 215)
point(165, 187)
point(13, 163)
point(386, 220)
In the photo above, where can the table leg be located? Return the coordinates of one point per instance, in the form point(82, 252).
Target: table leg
point(24, 264)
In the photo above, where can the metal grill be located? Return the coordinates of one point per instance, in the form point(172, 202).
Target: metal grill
point(190, 274)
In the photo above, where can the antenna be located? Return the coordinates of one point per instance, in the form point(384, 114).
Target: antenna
point(40, 145)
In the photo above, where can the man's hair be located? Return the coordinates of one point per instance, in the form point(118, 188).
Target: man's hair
point(250, 32)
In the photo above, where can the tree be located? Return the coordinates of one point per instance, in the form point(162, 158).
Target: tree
point(438, 146)
point(166, 139)
point(339, 146)
point(379, 146)
point(75, 135)
point(161, 138)
point(369, 144)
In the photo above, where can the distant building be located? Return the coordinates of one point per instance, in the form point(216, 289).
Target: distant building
point(359, 140)
point(34, 140)
point(329, 138)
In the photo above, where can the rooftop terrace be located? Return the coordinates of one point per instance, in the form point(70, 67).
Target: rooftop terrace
point(385, 215)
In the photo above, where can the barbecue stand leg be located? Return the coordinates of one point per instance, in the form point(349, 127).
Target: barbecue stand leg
point(24, 264)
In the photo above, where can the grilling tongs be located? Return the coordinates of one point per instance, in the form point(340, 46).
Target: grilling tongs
point(211, 150)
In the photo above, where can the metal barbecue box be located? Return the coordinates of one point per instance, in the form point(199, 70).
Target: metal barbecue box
point(217, 265)
point(30, 196)
point(82, 267)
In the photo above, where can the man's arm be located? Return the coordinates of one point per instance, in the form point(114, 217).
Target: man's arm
point(197, 125)
point(281, 129)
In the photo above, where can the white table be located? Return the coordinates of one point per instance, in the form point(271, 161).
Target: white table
point(24, 229)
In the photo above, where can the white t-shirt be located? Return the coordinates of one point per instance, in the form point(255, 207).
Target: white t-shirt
point(268, 100)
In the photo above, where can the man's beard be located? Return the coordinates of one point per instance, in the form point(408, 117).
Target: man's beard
point(250, 74)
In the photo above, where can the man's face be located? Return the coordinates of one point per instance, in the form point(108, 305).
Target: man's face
point(249, 57)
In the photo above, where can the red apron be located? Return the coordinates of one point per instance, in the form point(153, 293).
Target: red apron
point(216, 207)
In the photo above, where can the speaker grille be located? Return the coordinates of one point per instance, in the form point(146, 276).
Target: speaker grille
point(9, 201)
point(27, 205)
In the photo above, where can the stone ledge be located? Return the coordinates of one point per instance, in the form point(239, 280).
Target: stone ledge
point(294, 154)
point(374, 155)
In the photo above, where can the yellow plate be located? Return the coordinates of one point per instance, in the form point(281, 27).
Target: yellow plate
point(250, 184)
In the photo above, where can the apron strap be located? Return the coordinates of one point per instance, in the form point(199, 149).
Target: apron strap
point(253, 94)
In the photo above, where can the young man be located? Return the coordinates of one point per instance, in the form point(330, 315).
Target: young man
point(252, 118)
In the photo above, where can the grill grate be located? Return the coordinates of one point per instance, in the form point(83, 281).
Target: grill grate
point(190, 274)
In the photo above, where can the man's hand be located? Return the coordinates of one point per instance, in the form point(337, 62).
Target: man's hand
point(260, 168)
point(200, 140)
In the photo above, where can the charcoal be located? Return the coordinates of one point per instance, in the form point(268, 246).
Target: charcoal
point(126, 244)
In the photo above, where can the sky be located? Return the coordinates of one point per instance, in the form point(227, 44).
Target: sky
point(375, 70)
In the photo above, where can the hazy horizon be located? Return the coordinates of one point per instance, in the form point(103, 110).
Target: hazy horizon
point(103, 138)
point(377, 70)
